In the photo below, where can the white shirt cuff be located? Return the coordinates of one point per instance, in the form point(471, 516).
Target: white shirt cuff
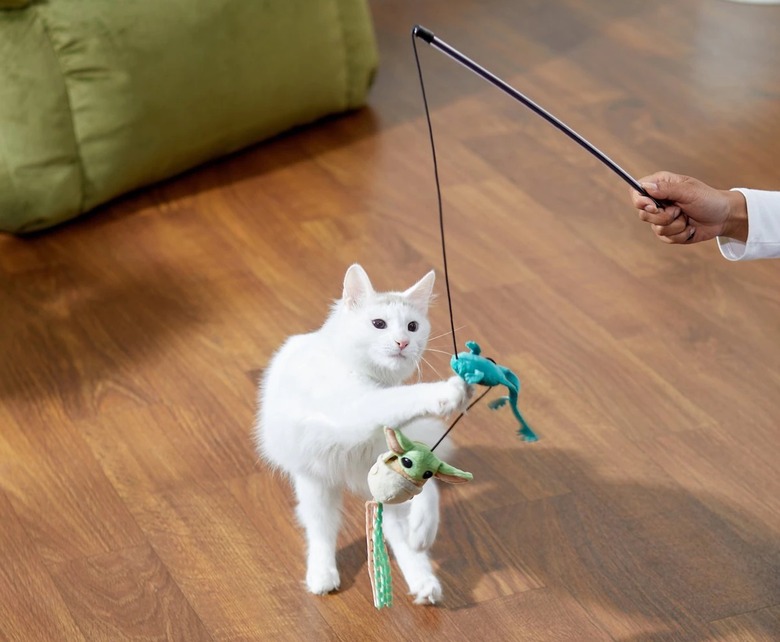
point(763, 240)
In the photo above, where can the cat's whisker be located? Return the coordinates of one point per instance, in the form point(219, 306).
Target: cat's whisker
point(444, 334)
point(439, 351)
point(436, 372)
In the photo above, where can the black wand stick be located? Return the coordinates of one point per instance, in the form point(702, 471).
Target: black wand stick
point(427, 36)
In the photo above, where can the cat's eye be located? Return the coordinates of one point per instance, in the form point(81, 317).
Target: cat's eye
point(413, 326)
point(406, 462)
point(427, 474)
point(379, 324)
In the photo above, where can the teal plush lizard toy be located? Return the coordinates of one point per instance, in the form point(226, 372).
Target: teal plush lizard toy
point(473, 368)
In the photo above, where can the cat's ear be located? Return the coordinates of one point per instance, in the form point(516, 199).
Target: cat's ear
point(420, 293)
point(357, 286)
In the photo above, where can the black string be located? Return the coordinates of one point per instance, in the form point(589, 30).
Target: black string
point(443, 244)
point(439, 200)
point(460, 416)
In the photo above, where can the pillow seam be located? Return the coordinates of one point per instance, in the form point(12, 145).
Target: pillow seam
point(77, 143)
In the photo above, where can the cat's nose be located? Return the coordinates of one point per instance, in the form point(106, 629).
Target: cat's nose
point(402, 343)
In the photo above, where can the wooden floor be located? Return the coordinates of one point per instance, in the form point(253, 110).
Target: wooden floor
point(132, 505)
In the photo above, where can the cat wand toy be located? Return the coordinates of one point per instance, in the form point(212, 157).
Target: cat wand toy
point(471, 366)
point(399, 474)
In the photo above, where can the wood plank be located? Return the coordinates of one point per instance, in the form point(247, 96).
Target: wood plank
point(576, 544)
point(30, 608)
point(235, 583)
point(728, 474)
point(539, 615)
point(126, 595)
point(69, 511)
point(758, 626)
point(475, 565)
point(571, 353)
point(195, 448)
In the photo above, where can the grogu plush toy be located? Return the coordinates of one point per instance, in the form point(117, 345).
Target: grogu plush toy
point(397, 476)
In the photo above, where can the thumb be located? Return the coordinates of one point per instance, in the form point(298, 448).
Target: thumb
point(665, 190)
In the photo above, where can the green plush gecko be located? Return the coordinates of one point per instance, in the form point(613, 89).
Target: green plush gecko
point(473, 368)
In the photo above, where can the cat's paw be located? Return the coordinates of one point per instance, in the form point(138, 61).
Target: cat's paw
point(427, 590)
point(321, 581)
point(455, 396)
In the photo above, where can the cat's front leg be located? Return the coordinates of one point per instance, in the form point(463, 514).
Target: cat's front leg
point(440, 398)
point(396, 406)
point(319, 511)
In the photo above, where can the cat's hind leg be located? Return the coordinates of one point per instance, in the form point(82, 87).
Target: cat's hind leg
point(319, 511)
point(414, 562)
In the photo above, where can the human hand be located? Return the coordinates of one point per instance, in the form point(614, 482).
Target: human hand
point(696, 211)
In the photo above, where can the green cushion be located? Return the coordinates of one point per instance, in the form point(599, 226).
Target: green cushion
point(99, 97)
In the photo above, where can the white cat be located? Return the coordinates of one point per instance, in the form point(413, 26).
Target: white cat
point(323, 403)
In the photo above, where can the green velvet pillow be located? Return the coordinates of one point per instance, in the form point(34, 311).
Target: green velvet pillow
point(98, 97)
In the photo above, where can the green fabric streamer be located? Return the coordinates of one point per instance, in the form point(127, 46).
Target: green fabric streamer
point(383, 582)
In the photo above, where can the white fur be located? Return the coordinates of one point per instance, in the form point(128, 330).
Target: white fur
point(324, 401)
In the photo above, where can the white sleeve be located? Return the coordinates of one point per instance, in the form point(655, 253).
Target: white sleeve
point(763, 240)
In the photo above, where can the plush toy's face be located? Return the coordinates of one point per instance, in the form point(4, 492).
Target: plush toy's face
point(419, 463)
